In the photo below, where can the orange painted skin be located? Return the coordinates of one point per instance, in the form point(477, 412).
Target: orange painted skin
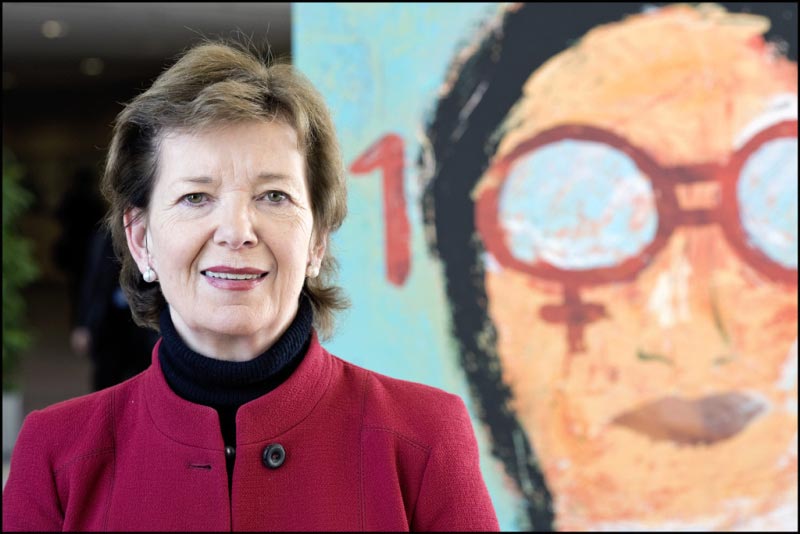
point(682, 84)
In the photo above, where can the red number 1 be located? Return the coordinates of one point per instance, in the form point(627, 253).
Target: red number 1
point(387, 154)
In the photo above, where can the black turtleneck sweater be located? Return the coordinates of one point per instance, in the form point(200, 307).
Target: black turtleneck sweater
point(225, 385)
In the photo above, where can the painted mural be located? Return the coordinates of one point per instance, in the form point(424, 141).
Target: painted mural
point(583, 220)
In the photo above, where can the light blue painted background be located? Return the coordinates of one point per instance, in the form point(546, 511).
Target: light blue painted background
point(379, 68)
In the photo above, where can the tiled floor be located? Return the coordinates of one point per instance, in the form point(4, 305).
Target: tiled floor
point(50, 371)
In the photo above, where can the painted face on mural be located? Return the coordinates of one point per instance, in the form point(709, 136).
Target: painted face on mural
point(640, 222)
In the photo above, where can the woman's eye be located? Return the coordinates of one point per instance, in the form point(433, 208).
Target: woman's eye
point(194, 198)
point(275, 196)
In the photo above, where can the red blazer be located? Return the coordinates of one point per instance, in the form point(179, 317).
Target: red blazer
point(361, 452)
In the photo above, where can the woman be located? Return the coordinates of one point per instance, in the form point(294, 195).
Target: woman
point(225, 182)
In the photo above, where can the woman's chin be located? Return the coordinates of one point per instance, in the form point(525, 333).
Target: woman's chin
point(234, 324)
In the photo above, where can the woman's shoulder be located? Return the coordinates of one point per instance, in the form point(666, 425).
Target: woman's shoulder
point(66, 428)
point(84, 405)
point(420, 412)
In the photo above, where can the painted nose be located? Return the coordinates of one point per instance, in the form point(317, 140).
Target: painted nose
point(235, 228)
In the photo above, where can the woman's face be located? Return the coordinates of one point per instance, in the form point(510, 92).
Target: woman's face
point(229, 233)
point(679, 408)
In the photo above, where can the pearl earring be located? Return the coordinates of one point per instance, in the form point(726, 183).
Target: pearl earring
point(149, 275)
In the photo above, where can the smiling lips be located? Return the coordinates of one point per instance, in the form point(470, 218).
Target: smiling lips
point(231, 278)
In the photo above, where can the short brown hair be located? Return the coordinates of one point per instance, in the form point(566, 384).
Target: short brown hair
point(212, 83)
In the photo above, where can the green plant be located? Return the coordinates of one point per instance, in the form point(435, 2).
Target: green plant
point(19, 269)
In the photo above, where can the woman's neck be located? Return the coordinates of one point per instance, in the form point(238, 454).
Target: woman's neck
point(230, 347)
point(217, 382)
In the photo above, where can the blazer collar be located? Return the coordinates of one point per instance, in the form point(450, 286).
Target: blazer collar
point(258, 420)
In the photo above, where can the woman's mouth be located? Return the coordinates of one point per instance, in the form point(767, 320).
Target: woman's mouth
point(233, 276)
point(233, 279)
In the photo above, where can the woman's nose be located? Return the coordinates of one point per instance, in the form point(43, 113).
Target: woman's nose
point(235, 227)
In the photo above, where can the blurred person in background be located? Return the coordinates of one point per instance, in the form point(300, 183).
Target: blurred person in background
point(225, 182)
point(105, 330)
point(79, 215)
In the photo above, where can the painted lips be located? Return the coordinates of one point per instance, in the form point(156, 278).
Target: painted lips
point(702, 421)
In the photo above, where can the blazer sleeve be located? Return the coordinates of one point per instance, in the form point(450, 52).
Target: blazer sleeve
point(453, 496)
point(30, 496)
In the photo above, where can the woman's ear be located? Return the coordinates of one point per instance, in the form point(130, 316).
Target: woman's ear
point(319, 244)
point(135, 223)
